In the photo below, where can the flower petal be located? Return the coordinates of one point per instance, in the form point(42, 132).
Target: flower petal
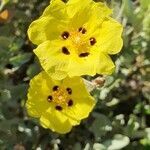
point(106, 65)
point(109, 36)
point(77, 85)
point(81, 108)
point(56, 121)
point(83, 66)
point(37, 94)
point(57, 9)
point(83, 103)
point(85, 12)
point(52, 59)
point(46, 28)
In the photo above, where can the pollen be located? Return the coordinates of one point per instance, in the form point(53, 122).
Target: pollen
point(80, 42)
point(77, 39)
point(60, 97)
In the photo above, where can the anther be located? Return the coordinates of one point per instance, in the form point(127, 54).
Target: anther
point(55, 88)
point(84, 54)
point(65, 35)
point(65, 51)
point(70, 102)
point(58, 108)
point(82, 30)
point(92, 41)
point(69, 90)
point(49, 98)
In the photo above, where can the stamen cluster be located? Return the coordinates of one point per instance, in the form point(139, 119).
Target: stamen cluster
point(60, 97)
point(78, 41)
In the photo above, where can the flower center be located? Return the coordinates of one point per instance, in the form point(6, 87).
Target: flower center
point(79, 42)
point(60, 97)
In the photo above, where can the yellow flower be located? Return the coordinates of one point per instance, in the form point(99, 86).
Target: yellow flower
point(59, 105)
point(76, 38)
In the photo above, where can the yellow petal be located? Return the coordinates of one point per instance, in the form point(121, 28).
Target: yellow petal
point(36, 100)
point(83, 103)
point(105, 66)
point(81, 108)
point(37, 94)
point(109, 36)
point(79, 89)
point(83, 66)
point(46, 28)
point(83, 13)
point(56, 121)
point(52, 59)
point(57, 8)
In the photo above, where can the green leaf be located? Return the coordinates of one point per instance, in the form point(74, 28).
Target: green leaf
point(20, 59)
point(98, 146)
point(144, 3)
point(100, 125)
point(5, 95)
point(129, 11)
point(4, 42)
point(33, 70)
point(117, 143)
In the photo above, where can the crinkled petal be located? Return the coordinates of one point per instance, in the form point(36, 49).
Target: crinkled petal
point(74, 6)
point(82, 13)
point(46, 28)
point(56, 121)
point(83, 66)
point(106, 65)
point(77, 85)
point(52, 59)
point(83, 103)
point(108, 36)
point(81, 107)
point(37, 94)
point(57, 9)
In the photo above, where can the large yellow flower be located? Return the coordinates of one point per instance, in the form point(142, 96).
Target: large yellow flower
point(59, 105)
point(76, 38)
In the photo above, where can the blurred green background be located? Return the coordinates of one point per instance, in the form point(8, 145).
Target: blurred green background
point(121, 118)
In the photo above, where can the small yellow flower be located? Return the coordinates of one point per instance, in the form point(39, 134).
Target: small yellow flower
point(76, 38)
point(59, 105)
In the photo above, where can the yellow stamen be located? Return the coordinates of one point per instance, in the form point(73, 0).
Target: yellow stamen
point(60, 97)
point(79, 42)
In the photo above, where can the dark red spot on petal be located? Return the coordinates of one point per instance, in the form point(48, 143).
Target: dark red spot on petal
point(70, 102)
point(55, 88)
point(65, 35)
point(92, 41)
point(58, 108)
point(69, 90)
point(84, 54)
point(65, 50)
point(49, 98)
point(82, 30)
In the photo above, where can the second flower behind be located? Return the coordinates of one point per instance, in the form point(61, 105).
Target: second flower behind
point(59, 105)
